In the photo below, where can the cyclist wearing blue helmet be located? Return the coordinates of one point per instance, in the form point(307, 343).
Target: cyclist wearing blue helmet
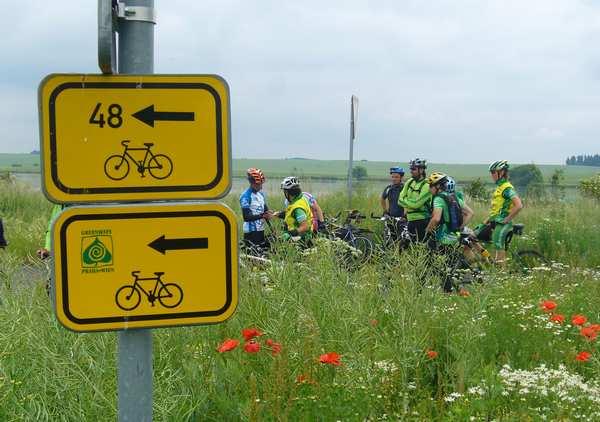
point(389, 197)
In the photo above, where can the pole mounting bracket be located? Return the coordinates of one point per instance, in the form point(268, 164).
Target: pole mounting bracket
point(136, 13)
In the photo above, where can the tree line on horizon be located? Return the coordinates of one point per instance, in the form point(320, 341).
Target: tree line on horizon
point(584, 160)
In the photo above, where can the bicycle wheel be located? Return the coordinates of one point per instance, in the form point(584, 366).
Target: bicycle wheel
point(116, 167)
point(170, 295)
point(128, 298)
point(365, 246)
point(160, 166)
point(528, 259)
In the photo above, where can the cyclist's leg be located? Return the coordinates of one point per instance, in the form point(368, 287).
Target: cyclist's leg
point(417, 229)
point(3, 243)
point(499, 235)
point(255, 241)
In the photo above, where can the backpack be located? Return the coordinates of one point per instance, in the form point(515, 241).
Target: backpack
point(454, 219)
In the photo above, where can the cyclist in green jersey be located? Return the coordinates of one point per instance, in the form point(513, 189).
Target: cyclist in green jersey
point(44, 252)
point(450, 213)
point(415, 198)
point(448, 217)
point(505, 206)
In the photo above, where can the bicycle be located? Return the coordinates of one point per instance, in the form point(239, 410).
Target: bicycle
point(128, 297)
point(356, 237)
point(116, 167)
point(465, 271)
point(395, 231)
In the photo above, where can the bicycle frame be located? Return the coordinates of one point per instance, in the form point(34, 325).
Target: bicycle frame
point(149, 294)
point(133, 160)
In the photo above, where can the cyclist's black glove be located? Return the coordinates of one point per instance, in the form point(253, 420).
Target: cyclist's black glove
point(294, 233)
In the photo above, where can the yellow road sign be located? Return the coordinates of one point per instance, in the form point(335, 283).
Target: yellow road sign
point(134, 137)
point(143, 266)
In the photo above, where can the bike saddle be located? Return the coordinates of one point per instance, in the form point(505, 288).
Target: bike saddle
point(159, 273)
point(125, 142)
point(135, 273)
point(518, 228)
point(148, 144)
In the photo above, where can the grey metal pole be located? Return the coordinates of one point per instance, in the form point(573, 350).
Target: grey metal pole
point(134, 354)
point(351, 152)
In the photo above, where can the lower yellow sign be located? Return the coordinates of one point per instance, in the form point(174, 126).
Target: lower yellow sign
point(143, 266)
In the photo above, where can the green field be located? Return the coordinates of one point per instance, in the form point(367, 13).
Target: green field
point(408, 351)
point(331, 169)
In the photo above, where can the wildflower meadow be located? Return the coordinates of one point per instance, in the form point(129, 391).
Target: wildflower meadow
point(314, 340)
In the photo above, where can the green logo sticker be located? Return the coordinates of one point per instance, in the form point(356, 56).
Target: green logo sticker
point(96, 251)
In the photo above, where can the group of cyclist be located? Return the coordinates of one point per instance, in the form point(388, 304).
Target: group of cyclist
point(429, 207)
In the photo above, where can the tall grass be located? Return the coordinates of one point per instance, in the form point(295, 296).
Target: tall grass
point(381, 319)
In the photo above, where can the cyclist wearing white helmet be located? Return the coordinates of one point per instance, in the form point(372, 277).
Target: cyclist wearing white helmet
point(505, 206)
point(298, 214)
point(415, 198)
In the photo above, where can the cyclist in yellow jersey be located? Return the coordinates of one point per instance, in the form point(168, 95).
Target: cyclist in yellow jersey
point(505, 206)
point(298, 214)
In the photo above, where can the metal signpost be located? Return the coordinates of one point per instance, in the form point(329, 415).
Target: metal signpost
point(353, 123)
point(138, 137)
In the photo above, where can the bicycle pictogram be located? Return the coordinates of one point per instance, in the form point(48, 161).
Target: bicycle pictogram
point(116, 167)
point(168, 294)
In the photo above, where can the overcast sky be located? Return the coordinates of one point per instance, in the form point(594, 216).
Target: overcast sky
point(453, 81)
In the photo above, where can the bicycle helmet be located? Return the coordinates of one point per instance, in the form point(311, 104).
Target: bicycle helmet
point(499, 165)
point(450, 184)
point(290, 182)
point(398, 170)
point(436, 178)
point(418, 162)
point(255, 175)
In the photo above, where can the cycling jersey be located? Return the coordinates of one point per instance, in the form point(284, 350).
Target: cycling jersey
point(415, 198)
point(392, 193)
point(297, 212)
point(255, 204)
point(502, 200)
point(442, 232)
point(311, 201)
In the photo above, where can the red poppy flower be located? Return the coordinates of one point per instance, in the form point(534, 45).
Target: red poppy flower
point(595, 327)
point(548, 305)
point(578, 319)
point(250, 333)
point(583, 356)
point(464, 293)
point(589, 333)
point(431, 354)
point(373, 322)
point(331, 358)
point(558, 318)
point(275, 347)
point(228, 345)
point(251, 347)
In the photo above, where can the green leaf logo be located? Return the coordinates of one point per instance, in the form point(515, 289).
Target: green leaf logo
point(96, 254)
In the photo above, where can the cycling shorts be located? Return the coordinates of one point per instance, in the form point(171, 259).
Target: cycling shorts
point(500, 234)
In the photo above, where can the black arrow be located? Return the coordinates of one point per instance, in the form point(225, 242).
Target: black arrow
point(149, 116)
point(162, 245)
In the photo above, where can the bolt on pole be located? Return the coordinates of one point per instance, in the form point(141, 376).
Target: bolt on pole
point(134, 354)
